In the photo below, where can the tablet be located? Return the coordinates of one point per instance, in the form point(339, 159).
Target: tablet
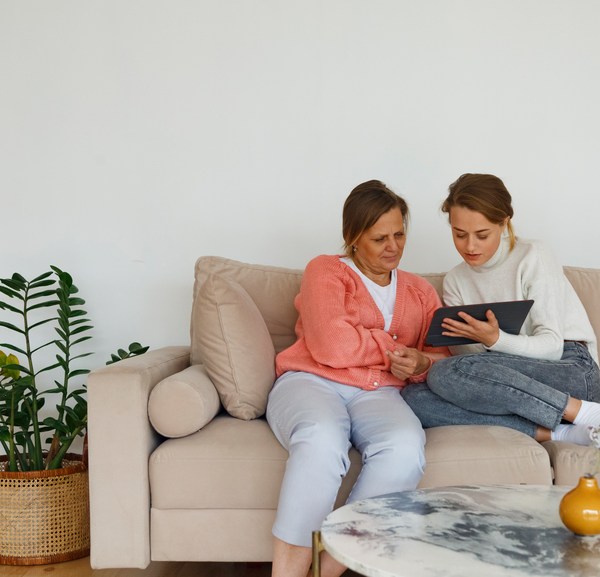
point(510, 315)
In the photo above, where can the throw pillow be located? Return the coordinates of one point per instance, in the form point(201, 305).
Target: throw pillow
point(233, 342)
point(183, 403)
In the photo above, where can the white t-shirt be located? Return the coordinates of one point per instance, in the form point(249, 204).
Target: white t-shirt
point(384, 296)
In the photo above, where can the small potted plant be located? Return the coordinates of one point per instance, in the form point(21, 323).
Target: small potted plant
point(43, 487)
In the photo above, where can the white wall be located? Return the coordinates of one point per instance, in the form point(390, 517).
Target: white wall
point(138, 135)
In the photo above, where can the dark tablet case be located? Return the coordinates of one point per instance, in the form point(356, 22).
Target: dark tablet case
point(510, 315)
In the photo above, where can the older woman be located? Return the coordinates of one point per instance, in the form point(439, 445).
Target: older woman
point(360, 338)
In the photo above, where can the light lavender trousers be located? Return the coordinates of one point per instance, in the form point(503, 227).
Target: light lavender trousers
point(317, 421)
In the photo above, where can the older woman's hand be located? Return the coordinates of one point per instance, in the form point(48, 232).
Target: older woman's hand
point(406, 362)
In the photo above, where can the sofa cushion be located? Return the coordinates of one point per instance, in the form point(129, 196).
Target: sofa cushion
point(183, 403)
point(483, 455)
point(229, 464)
point(233, 464)
point(234, 345)
point(586, 282)
point(271, 288)
point(570, 462)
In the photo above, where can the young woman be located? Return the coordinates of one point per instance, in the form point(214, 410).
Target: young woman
point(533, 381)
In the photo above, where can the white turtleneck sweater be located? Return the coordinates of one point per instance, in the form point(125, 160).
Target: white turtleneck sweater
point(529, 271)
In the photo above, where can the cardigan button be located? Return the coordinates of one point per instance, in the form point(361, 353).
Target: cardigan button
point(395, 337)
point(376, 384)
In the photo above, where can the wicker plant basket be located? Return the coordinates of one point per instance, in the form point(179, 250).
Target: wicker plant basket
point(44, 515)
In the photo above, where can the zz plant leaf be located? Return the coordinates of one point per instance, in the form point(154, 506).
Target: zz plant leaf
point(29, 308)
point(133, 350)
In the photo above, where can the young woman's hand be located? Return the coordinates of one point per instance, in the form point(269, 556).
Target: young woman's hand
point(485, 332)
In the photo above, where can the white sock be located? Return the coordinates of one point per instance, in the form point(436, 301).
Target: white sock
point(578, 434)
point(589, 414)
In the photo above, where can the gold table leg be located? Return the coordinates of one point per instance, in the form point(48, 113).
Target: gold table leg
point(317, 547)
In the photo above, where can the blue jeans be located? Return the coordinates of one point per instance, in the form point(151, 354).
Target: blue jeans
point(318, 421)
point(508, 390)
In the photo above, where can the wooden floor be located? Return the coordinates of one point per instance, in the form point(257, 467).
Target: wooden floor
point(81, 568)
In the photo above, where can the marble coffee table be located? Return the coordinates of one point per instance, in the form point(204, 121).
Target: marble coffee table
point(470, 531)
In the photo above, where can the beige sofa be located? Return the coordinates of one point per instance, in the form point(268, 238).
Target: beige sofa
point(183, 465)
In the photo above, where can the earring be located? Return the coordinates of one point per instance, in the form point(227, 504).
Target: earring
point(353, 249)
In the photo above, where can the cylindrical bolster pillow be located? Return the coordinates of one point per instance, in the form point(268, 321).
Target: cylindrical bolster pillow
point(183, 403)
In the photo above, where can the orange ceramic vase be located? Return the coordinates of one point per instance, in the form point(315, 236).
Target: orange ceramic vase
point(580, 508)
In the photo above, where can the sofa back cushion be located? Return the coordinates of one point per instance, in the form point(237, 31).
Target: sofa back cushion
point(586, 282)
point(234, 345)
point(272, 289)
point(241, 315)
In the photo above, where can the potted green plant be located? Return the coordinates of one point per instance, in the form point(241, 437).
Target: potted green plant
point(37, 472)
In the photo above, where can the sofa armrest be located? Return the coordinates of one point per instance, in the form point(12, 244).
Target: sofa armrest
point(120, 440)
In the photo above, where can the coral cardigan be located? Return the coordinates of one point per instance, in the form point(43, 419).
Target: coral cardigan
point(340, 328)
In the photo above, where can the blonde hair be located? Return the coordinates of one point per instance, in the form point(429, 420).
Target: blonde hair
point(483, 193)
